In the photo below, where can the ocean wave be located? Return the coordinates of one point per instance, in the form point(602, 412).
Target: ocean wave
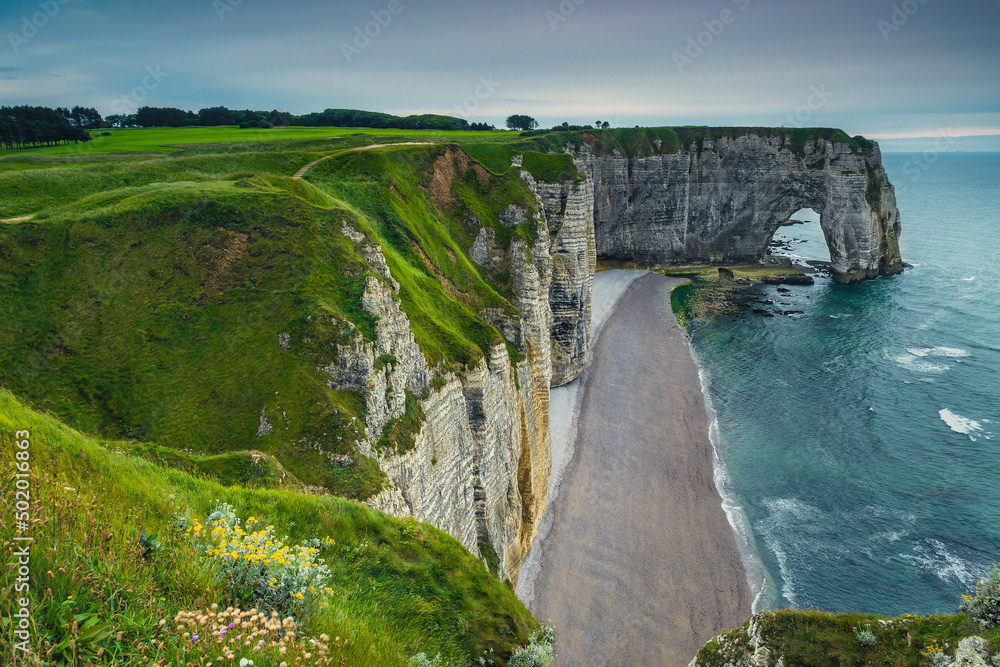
point(935, 557)
point(791, 523)
point(753, 566)
point(953, 352)
point(915, 363)
point(960, 424)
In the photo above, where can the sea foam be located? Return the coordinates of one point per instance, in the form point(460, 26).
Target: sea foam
point(756, 575)
point(960, 424)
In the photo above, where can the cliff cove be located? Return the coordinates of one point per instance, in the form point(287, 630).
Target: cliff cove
point(638, 562)
point(407, 309)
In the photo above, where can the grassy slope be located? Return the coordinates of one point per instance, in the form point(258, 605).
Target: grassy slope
point(442, 291)
point(129, 319)
point(399, 587)
point(146, 299)
point(821, 639)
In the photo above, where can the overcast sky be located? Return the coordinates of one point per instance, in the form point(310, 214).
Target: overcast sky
point(911, 73)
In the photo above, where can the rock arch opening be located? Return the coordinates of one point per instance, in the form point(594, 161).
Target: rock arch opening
point(801, 239)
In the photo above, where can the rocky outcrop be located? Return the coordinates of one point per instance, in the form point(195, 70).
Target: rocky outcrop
point(723, 201)
point(569, 214)
point(759, 642)
point(480, 464)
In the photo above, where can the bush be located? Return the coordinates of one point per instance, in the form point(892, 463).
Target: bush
point(539, 653)
point(257, 565)
point(421, 660)
point(865, 636)
point(983, 604)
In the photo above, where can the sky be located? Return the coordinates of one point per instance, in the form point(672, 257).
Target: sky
point(914, 74)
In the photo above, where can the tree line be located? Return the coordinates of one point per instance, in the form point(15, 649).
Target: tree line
point(247, 118)
point(33, 127)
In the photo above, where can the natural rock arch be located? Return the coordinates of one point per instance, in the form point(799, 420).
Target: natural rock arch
point(722, 201)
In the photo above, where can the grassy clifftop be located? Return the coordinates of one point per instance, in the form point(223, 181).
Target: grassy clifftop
point(822, 639)
point(647, 141)
point(396, 587)
point(178, 300)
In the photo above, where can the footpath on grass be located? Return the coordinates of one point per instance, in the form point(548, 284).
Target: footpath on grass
point(302, 172)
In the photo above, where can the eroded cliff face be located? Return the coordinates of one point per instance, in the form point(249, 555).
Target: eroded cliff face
point(724, 201)
point(569, 213)
point(480, 464)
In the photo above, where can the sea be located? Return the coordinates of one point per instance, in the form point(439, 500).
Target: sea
point(858, 443)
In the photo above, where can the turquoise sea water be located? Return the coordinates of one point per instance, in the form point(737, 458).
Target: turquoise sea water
point(861, 440)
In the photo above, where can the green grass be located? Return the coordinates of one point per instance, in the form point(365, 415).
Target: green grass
point(146, 299)
point(441, 290)
point(822, 639)
point(173, 138)
point(399, 587)
point(640, 141)
point(127, 318)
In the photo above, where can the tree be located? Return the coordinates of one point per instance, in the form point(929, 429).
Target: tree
point(216, 116)
point(30, 127)
point(521, 122)
point(279, 118)
point(605, 125)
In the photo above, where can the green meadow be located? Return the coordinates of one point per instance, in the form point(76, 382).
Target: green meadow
point(178, 138)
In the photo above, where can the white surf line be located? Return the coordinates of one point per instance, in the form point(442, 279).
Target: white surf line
point(564, 409)
point(302, 172)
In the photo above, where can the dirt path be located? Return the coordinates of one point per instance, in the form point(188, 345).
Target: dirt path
point(640, 566)
point(302, 172)
point(19, 219)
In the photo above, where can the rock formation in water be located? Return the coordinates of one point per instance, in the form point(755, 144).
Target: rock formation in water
point(722, 200)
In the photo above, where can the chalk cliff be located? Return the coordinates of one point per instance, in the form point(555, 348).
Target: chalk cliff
point(480, 465)
point(481, 461)
point(722, 200)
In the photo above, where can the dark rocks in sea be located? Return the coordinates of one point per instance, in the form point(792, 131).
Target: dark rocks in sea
point(789, 279)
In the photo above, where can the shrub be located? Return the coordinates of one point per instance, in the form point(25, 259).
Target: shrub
point(983, 604)
point(539, 653)
point(421, 660)
point(258, 567)
point(865, 636)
